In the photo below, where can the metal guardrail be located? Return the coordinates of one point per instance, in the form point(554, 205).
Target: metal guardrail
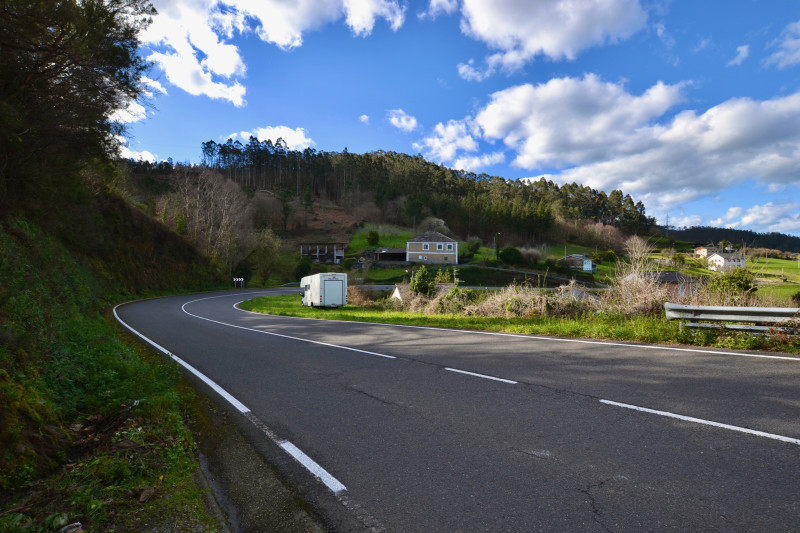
point(750, 319)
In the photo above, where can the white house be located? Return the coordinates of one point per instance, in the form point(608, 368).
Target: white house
point(720, 262)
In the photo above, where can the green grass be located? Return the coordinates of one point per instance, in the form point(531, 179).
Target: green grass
point(656, 330)
point(775, 269)
point(67, 378)
point(390, 237)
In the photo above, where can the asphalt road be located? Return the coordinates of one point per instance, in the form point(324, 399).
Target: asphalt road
point(387, 428)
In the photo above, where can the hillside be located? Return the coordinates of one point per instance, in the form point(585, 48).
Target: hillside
point(68, 385)
point(749, 239)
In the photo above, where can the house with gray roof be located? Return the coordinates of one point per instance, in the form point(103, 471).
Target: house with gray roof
point(432, 247)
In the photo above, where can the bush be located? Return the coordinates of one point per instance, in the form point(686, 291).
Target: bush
point(510, 255)
point(373, 238)
point(422, 282)
point(303, 268)
point(796, 298)
point(456, 299)
point(734, 286)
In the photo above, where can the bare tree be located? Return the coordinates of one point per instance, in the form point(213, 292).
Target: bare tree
point(213, 214)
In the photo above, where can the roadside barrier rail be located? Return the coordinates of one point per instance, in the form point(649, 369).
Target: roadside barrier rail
point(749, 319)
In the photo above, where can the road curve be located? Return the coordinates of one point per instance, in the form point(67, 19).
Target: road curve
point(391, 428)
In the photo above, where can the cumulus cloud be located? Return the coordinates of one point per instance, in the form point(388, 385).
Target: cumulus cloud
point(569, 121)
point(783, 217)
point(447, 140)
point(125, 152)
point(742, 52)
point(402, 120)
point(598, 133)
point(729, 218)
point(479, 162)
point(437, 7)
point(364, 119)
point(190, 39)
point(788, 45)
point(558, 30)
point(296, 139)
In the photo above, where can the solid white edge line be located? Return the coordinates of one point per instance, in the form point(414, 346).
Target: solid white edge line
point(705, 422)
point(484, 376)
point(331, 482)
point(309, 464)
point(541, 338)
point(219, 390)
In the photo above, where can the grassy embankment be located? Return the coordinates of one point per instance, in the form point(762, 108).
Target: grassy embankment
point(92, 427)
point(595, 325)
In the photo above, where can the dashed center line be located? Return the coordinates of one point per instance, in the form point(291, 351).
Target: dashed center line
point(484, 376)
point(704, 422)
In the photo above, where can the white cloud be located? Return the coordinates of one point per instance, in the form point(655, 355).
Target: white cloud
point(782, 217)
point(479, 162)
point(599, 134)
point(569, 121)
point(189, 39)
point(364, 119)
point(361, 14)
point(126, 153)
point(558, 30)
point(436, 7)
point(296, 139)
point(154, 85)
point(728, 218)
point(402, 120)
point(788, 44)
point(468, 71)
point(133, 112)
point(742, 52)
point(446, 141)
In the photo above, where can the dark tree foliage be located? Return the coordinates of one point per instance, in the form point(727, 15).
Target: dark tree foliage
point(702, 235)
point(65, 67)
point(472, 204)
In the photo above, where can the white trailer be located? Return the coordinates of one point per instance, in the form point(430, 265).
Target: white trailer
point(327, 289)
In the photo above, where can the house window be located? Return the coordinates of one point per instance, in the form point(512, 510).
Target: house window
point(449, 246)
point(425, 246)
point(420, 258)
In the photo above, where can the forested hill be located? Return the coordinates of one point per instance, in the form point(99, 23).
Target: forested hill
point(749, 239)
point(470, 203)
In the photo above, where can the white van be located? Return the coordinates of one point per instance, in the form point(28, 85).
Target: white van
point(327, 289)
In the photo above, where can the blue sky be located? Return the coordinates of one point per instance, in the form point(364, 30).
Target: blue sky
point(692, 107)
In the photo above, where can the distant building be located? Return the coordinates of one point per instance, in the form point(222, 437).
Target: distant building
point(705, 251)
point(390, 255)
point(720, 262)
point(579, 261)
point(325, 252)
point(432, 247)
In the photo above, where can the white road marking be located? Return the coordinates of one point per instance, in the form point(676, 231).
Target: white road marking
point(705, 422)
point(331, 482)
point(554, 339)
point(484, 376)
point(183, 308)
point(309, 464)
point(219, 390)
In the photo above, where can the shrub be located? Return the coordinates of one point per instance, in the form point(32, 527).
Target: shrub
point(373, 238)
point(422, 282)
point(510, 255)
point(303, 268)
point(455, 300)
point(796, 298)
point(531, 255)
point(734, 287)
